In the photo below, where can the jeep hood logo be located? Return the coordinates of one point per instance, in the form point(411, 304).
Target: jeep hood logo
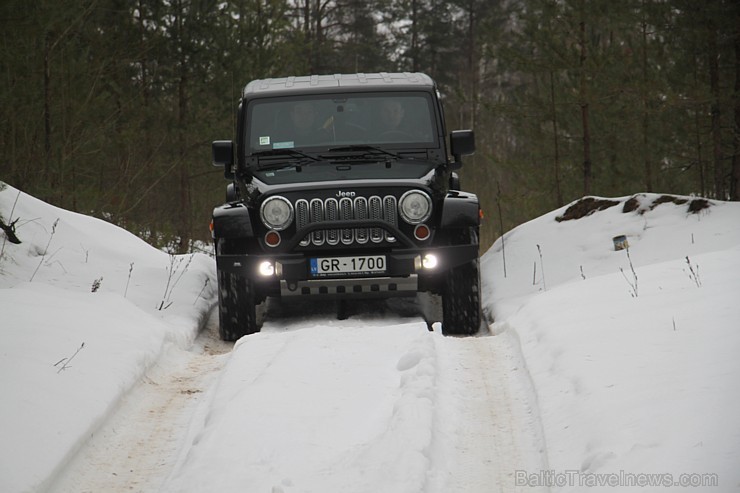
point(341, 194)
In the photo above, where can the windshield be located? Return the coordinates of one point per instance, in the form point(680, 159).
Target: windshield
point(397, 119)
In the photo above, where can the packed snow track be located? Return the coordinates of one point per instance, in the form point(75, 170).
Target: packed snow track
point(373, 403)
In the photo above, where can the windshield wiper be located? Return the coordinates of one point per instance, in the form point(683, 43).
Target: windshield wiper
point(286, 164)
point(283, 152)
point(367, 149)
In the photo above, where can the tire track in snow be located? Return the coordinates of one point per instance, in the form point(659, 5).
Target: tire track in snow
point(138, 446)
point(496, 430)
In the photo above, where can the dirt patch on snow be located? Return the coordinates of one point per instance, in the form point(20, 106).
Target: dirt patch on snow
point(638, 203)
point(585, 207)
point(697, 205)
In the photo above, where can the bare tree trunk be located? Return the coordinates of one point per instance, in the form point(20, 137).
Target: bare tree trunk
point(699, 155)
point(698, 133)
point(47, 105)
point(143, 60)
point(318, 39)
point(645, 120)
point(587, 165)
point(414, 35)
point(735, 180)
point(472, 63)
point(556, 144)
point(184, 232)
point(719, 189)
point(304, 14)
point(186, 229)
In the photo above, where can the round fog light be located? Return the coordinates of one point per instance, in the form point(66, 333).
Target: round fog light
point(429, 261)
point(266, 268)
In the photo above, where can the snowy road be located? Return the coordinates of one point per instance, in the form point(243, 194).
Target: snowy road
point(496, 430)
point(329, 404)
point(135, 450)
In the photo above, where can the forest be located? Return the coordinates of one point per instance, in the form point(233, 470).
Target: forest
point(109, 107)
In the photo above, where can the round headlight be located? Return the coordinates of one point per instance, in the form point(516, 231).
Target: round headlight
point(415, 206)
point(276, 213)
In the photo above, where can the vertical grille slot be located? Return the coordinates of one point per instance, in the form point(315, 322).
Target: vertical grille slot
point(332, 214)
point(317, 215)
point(375, 206)
point(346, 213)
point(361, 212)
point(301, 217)
point(390, 214)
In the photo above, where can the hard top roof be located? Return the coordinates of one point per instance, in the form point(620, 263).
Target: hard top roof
point(327, 83)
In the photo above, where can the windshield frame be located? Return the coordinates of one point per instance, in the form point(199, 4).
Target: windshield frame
point(357, 110)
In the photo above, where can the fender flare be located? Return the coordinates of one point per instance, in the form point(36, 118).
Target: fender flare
point(232, 221)
point(460, 210)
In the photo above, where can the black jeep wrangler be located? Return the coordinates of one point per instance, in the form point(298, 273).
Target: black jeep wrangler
point(341, 187)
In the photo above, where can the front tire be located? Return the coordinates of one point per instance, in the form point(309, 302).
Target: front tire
point(461, 310)
point(461, 313)
point(237, 310)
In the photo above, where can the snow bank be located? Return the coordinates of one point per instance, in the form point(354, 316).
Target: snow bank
point(637, 375)
point(79, 302)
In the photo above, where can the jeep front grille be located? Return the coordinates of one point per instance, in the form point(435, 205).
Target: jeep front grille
point(328, 210)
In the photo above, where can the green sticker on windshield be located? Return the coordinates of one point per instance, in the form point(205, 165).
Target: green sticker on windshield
point(283, 145)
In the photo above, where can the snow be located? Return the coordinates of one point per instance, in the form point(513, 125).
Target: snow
point(49, 311)
point(643, 384)
point(586, 375)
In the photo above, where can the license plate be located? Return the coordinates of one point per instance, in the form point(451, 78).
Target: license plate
point(347, 265)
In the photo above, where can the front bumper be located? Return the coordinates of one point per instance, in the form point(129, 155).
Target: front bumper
point(405, 273)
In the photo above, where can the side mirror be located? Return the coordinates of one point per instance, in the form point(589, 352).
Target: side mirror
point(223, 153)
point(462, 143)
